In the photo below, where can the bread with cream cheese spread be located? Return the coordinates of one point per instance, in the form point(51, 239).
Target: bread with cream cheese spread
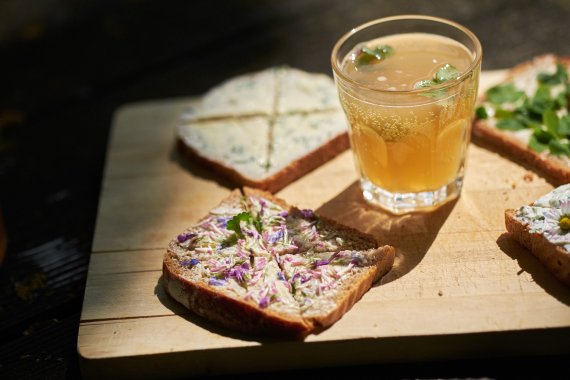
point(260, 266)
point(527, 117)
point(543, 227)
point(265, 129)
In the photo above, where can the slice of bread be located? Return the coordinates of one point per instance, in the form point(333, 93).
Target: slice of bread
point(492, 127)
point(540, 228)
point(302, 128)
point(257, 265)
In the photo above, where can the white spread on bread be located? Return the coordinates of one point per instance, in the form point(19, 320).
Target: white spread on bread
point(262, 123)
point(545, 214)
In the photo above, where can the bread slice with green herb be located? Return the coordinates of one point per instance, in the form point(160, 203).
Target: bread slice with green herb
point(527, 116)
point(257, 265)
point(232, 130)
point(543, 227)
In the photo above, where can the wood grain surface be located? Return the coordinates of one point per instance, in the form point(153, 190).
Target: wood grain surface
point(460, 288)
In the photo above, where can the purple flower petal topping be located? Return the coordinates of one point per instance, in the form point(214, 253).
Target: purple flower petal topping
point(223, 221)
point(284, 214)
point(189, 263)
point(319, 263)
point(281, 276)
point(264, 302)
point(184, 237)
point(307, 213)
point(215, 282)
point(239, 272)
point(276, 236)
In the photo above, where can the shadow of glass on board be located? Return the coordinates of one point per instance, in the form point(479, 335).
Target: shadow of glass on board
point(411, 234)
point(531, 265)
point(181, 311)
point(197, 166)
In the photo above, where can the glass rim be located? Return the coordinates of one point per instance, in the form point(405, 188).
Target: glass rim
point(451, 83)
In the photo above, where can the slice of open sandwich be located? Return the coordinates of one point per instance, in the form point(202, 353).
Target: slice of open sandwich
point(544, 228)
point(261, 266)
point(265, 129)
point(527, 116)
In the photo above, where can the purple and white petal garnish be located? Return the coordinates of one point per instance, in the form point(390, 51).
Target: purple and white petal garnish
point(189, 263)
point(185, 237)
point(264, 302)
point(223, 221)
point(216, 282)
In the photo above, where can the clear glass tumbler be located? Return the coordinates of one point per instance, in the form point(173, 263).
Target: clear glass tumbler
point(408, 86)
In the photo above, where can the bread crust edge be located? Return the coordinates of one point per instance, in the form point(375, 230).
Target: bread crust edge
point(553, 257)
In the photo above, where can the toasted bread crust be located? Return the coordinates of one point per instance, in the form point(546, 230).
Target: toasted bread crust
point(553, 168)
point(351, 292)
point(248, 317)
point(227, 311)
point(553, 257)
point(295, 170)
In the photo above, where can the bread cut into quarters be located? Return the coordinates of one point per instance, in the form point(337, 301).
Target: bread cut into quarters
point(259, 266)
point(543, 227)
point(527, 116)
point(266, 129)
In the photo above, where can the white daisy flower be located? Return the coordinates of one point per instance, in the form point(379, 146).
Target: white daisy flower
point(557, 224)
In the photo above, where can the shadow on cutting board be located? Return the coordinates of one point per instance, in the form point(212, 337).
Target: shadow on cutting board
point(412, 234)
point(531, 265)
point(183, 312)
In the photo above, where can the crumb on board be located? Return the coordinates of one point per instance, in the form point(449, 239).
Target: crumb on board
point(513, 185)
point(440, 293)
point(528, 177)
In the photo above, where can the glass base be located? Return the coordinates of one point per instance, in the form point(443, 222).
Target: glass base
point(401, 203)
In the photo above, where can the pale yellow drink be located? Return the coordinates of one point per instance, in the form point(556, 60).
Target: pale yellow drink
point(417, 144)
point(408, 86)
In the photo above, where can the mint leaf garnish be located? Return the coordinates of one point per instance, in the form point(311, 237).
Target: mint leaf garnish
point(539, 112)
point(504, 93)
point(564, 126)
point(367, 55)
point(560, 76)
point(233, 223)
point(550, 120)
point(425, 83)
point(558, 148)
point(445, 73)
point(536, 145)
point(481, 112)
point(510, 124)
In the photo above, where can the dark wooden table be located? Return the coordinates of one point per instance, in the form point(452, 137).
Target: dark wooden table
point(67, 66)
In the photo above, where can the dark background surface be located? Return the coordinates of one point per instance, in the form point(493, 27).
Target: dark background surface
point(66, 65)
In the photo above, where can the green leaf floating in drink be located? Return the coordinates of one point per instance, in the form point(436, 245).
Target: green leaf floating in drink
point(545, 112)
point(367, 56)
point(443, 74)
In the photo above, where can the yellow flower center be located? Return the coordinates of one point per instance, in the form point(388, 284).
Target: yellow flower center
point(564, 223)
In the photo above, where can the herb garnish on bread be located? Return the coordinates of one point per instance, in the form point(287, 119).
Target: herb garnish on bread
point(266, 129)
point(544, 228)
point(527, 116)
point(258, 265)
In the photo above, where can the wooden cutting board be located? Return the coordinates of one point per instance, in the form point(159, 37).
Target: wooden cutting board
point(460, 288)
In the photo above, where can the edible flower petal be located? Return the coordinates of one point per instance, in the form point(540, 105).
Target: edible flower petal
point(185, 237)
point(216, 282)
point(189, 263)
